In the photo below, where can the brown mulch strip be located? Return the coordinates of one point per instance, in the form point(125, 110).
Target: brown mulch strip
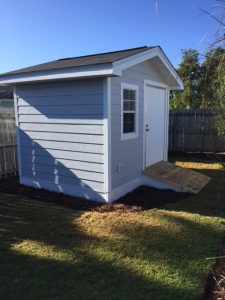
point(143, 198)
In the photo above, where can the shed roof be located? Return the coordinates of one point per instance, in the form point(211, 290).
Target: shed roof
point(103, 64)
point(87, 60)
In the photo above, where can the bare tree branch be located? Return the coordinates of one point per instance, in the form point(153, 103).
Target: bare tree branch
point(212, 16)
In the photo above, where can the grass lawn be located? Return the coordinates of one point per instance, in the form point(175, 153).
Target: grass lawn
point(51, 252)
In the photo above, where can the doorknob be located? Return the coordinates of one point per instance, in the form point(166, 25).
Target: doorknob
point(146, 128)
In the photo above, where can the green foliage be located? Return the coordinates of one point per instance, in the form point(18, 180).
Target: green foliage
point(204, 84)
point(190, 72)
point(214, 78)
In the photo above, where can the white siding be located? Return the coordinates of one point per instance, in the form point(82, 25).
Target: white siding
point(61, 134)
point(129, 153)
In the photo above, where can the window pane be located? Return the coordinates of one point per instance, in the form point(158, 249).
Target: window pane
point(132, 95)
point(129, 94)
point(128, 105)
point(126, 94)
point(128, 122)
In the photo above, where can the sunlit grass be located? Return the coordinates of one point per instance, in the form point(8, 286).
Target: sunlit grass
point(50, 252)
point(200, 165)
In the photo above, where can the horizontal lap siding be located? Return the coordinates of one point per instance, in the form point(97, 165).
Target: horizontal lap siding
point(67, 146)
point(72, 164)
point(129, 153)
point(69, 128)
point(60, 110)
point(61, 133)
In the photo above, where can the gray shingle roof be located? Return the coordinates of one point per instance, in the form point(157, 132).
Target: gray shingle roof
point(102, 58)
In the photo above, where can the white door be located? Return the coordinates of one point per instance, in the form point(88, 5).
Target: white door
point(154, 127)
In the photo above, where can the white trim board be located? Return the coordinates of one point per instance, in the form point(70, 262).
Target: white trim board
point(128, 187)
point(130, 61)
point(107, 133)
point(109, 97)
point(131, 135)
point(66, 73)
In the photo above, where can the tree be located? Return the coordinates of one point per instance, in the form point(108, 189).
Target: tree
point(6, 93)
point(191, 73)
point(213, 83)
point(215, 70)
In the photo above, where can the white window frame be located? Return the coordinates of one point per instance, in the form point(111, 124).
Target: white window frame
point(130, 135)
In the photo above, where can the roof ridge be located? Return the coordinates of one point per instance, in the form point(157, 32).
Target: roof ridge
point(103, 53)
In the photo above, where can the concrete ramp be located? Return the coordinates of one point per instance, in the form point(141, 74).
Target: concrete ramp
point(178, 178)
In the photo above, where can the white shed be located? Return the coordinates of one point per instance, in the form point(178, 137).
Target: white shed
point(88, 126)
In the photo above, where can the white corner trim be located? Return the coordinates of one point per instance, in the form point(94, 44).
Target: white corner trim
point(124, 189)
point(109, 95)
point(167, 124)
point(66, 73)
point(131, 135)
point(107, 133)
point(128, 62)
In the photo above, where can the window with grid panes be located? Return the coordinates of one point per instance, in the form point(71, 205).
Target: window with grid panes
point(129, 110)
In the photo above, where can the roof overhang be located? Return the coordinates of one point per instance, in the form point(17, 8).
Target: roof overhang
point(66, 73)
point(129, 62)
point(110, 69)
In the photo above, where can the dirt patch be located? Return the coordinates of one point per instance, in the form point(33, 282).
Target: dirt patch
point(142, 198)
point(215, 285)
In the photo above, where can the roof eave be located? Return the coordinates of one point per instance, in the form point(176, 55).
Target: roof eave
point(107, 69)
point(66, 73)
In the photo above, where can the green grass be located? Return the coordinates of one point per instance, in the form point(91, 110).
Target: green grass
point(49, 252)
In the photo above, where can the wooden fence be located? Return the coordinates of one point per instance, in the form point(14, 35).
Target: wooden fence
point(8, 158)
point(189, 130)
point(193, 130)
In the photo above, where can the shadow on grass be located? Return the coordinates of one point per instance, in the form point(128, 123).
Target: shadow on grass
point(46, 254)
point(210, 201)
point(54, 262)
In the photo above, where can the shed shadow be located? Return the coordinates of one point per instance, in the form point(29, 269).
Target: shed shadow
point(44, 170)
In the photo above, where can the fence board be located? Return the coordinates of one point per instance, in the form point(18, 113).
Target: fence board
point(8, 157)
point(193, 130)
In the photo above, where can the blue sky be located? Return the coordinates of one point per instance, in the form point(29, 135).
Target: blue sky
point(36, 31)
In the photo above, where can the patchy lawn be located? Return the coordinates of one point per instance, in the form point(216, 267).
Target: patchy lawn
point(52, 252)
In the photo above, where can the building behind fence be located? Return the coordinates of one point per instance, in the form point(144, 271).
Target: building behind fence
point(193, 130)
point(8, 157)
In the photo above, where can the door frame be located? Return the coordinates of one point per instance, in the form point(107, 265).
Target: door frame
point(166, 118)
